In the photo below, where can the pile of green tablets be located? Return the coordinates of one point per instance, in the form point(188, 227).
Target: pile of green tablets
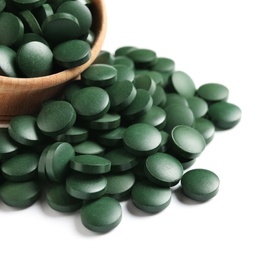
point(41, 37)
point(129, 128)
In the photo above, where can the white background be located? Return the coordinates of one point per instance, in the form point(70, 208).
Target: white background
point(212, 41)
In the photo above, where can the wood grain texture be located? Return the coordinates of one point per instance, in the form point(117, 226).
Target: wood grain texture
point(20, 96)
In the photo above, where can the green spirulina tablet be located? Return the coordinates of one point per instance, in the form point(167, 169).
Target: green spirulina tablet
point(121, 94)
point(89, 147)
point(140, 105)
point(91, 164)
point(142, 57)
point(224, 115)
point(8, 147)
point(100, 75)
point(164, 141)
point(20, 194)
point(163, 64)
point(124, 72)
point(119, 185)
point(205, 127)
point(107, 122)
point(200, 184)
point(23, 129)
point(187, 142)
point(145, 82)
point(80, 11)
point(86, 187)
point(175, 99)
point(112, 138)
point(123, 51)
point(163, 169)
point(123, 60)
point(159, 97)
point(42, 164)
point(156, 117)
point(42, 12)
point(142, 139)
point(71, 89)
point(104, 57)
point(213, 92)
point(21, 167)
point(101, 215)
point(91, 103)
point(178, 115)
point(7, 62)
point(121, 160)
point(34, 59)
point(2, 5)
point(74, 135)
point(31, 25)
point(11, 29)
point(32, 37)
point(198, 106)
point(28, 4)
point(60, 27)
point(67, 58)
point(60, 200)
point(56, 118)
point(182, 84)
point(57, 161)
point(149, 197)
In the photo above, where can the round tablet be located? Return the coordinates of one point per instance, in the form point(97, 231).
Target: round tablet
point(142, 57)
point(119, 185)
point(80, 11)
point(163, 64)
point(121, 160)
point(101, 215)
point(28, 4)
point(163, 169)
point(60, 27)
point(91, 103)
point(124, 72)
point(89, 147)
point(19, 194)
point(145, 82)
point(32, 37)
point(42, 164)
point(142, 139)
point(213, 92)
point(71, 89)
point(42, 12)
point(91, 164)
point(8, 147)
point(174, 99)
point(224, 115)
point(182, 84)
point(35, 59)
point(2, 5)
point(123, 60)
point(159, 97)
point(200, 184)
point(74, 135)
point(198, 106)
point(121, 94)
point(31, 25)
point(112, 138)
point(7, 62)
point(187, 142)
point(178, 115)
point(122, 51)
point(60, 200)
point(56, 118)
point(23, 129)
point(150, 198)
point(11, 29)
point(164, 141)
point(86, 187)
point(67, 58)
point(100, 75)
point(57, 161)
point(107, 122)
point(21, 167)
point(205, 127)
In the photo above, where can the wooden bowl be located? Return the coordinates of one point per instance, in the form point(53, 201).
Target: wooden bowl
point(20, 96)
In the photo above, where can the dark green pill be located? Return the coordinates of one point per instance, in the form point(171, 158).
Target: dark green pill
point(8, 147)
point(145, 82)
point(182, 84)
point(19, 194)
point(224, 115)
point(112, 138)
point(89, 147)
point(187, 141)
point(2, 5)
point(101, 215)
point(86, 187)
point(42, 12)
point(141, 104)
point(32, 37)
point(71, 89)
point(200, 184)
point(163, 64)
point(56, 118)
point(57, 161)
point(100, 75)
point(23, 129)
point(121, 160)
point(11, 29)
point(22, 167)
point(164, 141)
point(72, 53)
point(31, 25)
point(213, 92)
point(92, 164)
point(35, 59)
point(91, 103)
point(124, 72)
point(198, 106)
point(28, 4)
point(60, 200)
point(175, 99)
point(142, 57)
point(42, 164)
point(104, 57)
point(74, 135)
point(142, 139)
point(123, 60)
point(123, 51)
point(163, 169)
point(107, 122)
point(205, 127)
point(7, 62)
point(121, 94)
point(149, 197)
point(159, 97)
